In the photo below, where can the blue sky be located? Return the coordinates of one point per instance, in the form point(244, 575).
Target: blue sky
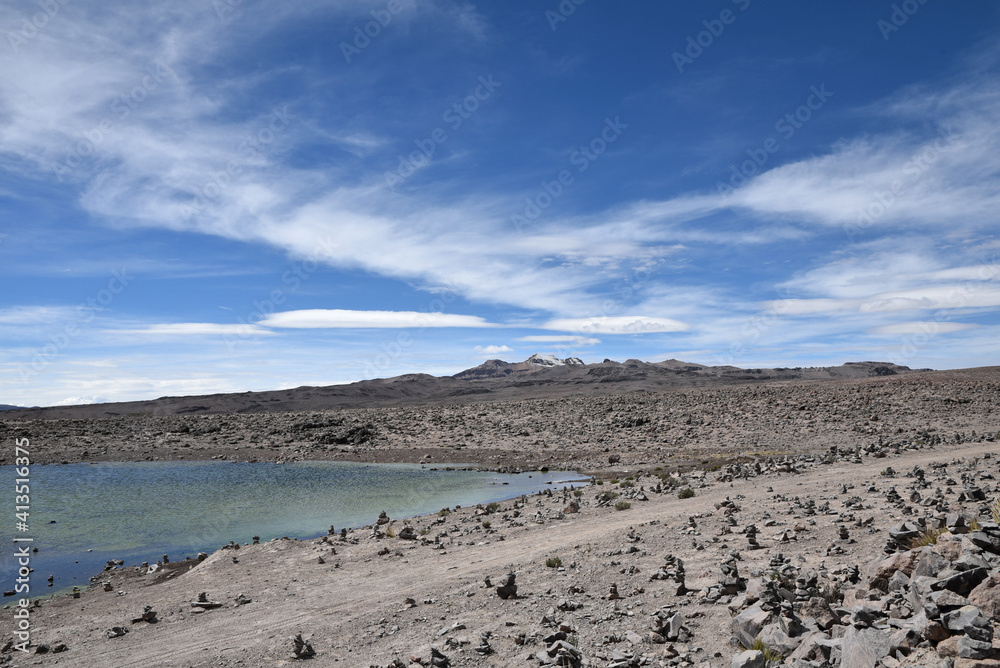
point(233, 195)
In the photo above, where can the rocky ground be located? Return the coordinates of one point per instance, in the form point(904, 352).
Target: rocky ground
point(701, 426)
point(806, 559)
point(621, 574)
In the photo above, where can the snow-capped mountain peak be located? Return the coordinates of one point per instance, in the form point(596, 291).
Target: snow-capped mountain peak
point(551, 360)
point(545, 360)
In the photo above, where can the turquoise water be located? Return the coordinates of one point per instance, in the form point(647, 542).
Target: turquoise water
point(83, 515)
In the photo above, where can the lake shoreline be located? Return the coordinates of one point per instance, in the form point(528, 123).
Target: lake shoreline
point(373, 597)
point(298, 499)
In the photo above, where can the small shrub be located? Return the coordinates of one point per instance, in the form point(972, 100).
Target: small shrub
point(995, 509)
point(444, 512)
point(685, 493)
point(928, 537)
point(492, 507)
point(578, 493)
point(553, 562)
point(831, 593)
point(390, 532)
point(487, 524)
point(770, 656)
point(626, 484)
point(600, 482)
point(613, 481)
point(623, 505)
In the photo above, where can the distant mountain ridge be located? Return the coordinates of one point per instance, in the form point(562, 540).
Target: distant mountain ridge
point(498, 368)
point(539, 376)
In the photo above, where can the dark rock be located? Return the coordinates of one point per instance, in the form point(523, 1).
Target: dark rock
point(970, 648)
point(507, 588)
point(818, 610)
point(963, 582)
point(302, 649)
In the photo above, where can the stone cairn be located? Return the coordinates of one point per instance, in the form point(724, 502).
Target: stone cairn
point(507, 587)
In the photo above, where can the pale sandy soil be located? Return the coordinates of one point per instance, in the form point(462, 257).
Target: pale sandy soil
point(352, 610)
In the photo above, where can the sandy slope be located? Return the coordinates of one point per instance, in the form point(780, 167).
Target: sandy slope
point(352, 607)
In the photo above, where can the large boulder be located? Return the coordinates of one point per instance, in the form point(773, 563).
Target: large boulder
point(817, 610)
point(900, 561)
point(747, 625)
point(863, 648)
point(986, 596)
point(777, 640)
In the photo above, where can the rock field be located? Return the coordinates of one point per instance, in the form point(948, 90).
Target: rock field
point(845, 523)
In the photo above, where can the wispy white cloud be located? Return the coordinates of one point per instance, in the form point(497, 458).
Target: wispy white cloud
point(617, 325)
point(36, 315)
point(341, 318)
point(877, 282)
point(918, 327)
point(558, 338)
point(195, 329)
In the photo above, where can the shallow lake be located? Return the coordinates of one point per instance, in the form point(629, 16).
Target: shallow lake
point(83, 515)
